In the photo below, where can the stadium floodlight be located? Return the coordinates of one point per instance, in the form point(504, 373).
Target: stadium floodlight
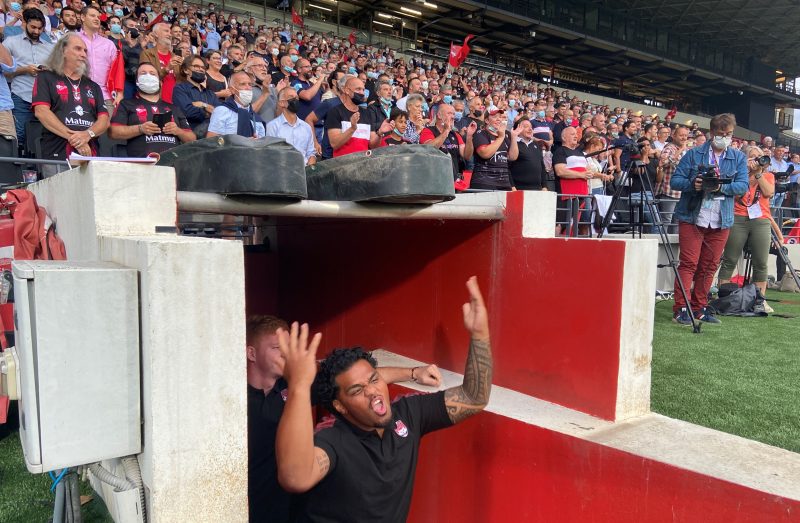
point(319, 7)
point(411, 11)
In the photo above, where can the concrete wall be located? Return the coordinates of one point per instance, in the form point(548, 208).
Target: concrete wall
point(194, 459)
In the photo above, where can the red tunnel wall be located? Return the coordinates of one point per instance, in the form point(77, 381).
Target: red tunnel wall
point(494, 469)
point(554, 304)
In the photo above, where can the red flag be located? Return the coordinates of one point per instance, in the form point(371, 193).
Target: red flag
point(159, 18)
point(458, 53)
point(296, 18)
point(672, 112)
point(352, 37)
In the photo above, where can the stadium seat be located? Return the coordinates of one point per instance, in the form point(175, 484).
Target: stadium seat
point(10, 173)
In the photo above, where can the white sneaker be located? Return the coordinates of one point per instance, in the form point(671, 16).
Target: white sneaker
point(767, 308)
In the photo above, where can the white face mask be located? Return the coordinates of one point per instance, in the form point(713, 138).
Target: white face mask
point(275, 52)
point(722, 142)
point(148, 83)
point(245, 97)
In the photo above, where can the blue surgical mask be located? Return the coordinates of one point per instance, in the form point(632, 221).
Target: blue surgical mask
point(398, 133)
point(540, 115)
point(491, 129)
point(108, 9)
point(295, 58)
point(116, 29)
point(447, 99)
point(289, 70)
point(210, 25)
point(386, 101)
point(459, 115)
point(15, 6)
point(372, 74)
point(352, 70)
point(512, 103)
point(425, 108)
point(119, 12)
point(58, 11)
point(366, 94)
point(148, 9)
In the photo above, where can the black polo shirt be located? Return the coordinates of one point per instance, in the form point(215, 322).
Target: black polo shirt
point(137, 110)
point(372, 478)
point(527, 171)
point(268, 501)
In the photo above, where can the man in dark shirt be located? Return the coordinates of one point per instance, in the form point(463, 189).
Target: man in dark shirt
point(443, 137)
point(308, 88)
point(622, 155)
point(361, 467)
point(134, 121)
point(494, 148)
point(267, 392)
point(68, 103)
point(528, 171)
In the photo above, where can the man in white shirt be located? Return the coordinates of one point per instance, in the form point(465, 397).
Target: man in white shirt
point(293, 130)
point(778, 165)
point(236, 115)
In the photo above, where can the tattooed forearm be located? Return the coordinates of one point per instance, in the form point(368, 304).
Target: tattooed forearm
point(473, 394)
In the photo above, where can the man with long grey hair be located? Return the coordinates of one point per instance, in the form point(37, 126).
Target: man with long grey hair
point(68, 103)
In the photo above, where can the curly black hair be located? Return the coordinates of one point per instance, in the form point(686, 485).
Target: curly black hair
point(340, 360)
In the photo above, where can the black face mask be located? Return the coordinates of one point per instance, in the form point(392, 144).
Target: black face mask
point(236, 63)
point(134, 33)
point(292, 105)
point(357, 98)
point(198, 77)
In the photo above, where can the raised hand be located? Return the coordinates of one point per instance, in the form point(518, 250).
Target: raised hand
point(476, 318)
point(429, 376)
point(299, 354)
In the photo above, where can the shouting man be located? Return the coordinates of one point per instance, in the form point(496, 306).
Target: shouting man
point(361, 468)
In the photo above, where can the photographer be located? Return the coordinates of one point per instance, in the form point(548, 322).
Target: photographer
point(751, 223)
point(705, 213)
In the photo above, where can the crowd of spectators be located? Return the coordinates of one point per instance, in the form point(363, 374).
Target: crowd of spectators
point(154, 74)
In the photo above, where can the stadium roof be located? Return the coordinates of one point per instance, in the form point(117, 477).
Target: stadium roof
point(664, 49)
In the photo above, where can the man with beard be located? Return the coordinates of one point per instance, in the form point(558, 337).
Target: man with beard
point(235, 115)
point(371, 442)
point(134, 120)
point(69, 23)
point(291, 128)
point(161, 58)
point(29, 52)
point(266, 398)
point(101, 53)
point(307, 87)
point(68, 103)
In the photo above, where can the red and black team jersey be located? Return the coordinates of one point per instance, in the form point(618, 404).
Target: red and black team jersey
point(135, 111)
point(77, 104)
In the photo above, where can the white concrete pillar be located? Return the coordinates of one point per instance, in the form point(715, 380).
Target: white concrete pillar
point(194, 415)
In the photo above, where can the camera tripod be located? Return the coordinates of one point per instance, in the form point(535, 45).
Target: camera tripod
point(779, 252)
point(638, 169)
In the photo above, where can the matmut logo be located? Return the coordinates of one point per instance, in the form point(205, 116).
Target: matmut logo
point(77, 122)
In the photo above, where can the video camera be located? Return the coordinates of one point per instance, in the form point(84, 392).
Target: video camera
point(782, 180)
point(711, 178)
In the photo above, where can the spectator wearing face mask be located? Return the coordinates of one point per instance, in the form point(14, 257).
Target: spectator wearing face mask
point(235, 115)
point(212, 37)
point(399, 121)
point(495, 147)
point(291, 128)
point(415, 86)
point(133, 120)
point(287, 70)
point(192, 97)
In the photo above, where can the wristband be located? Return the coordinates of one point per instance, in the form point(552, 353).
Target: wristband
point(412, 374)
point(758, 176)
point(140, 129)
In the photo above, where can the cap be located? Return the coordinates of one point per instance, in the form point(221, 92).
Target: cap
point(493, 112)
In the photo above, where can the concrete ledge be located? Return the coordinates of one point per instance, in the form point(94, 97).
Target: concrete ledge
point(684, 445)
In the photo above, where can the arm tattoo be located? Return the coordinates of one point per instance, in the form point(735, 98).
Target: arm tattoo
point(324, 463)
point(473, 394)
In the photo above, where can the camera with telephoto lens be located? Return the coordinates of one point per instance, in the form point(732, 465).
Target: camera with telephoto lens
point(711, 178)
point(762, 161)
